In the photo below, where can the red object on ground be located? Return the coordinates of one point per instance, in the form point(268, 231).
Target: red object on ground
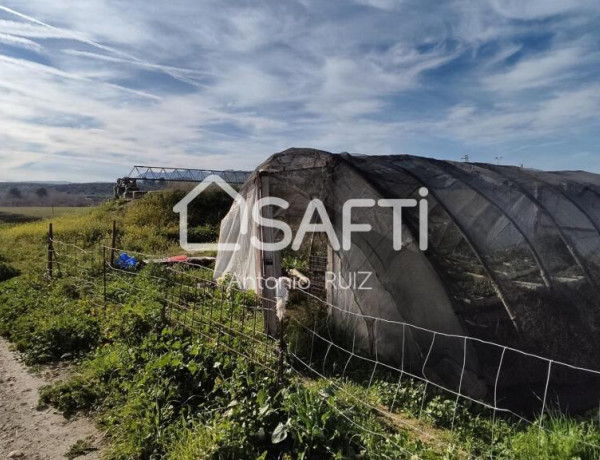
point(177, 259)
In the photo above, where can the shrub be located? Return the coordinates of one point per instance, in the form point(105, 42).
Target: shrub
point(43, 338)
point(203, 234)
point(46, 328)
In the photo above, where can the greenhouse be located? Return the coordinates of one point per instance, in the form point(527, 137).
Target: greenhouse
point(513, 259)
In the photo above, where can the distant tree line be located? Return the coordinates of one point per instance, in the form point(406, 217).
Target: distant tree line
point(47, 195)
point(41, 197)
point(76, 194)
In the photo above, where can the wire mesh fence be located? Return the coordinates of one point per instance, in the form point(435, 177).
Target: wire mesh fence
point(234, 319)
point(310, 346)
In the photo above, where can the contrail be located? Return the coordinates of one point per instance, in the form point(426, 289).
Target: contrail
point(68, 33)
point(71, 76)
point(74, 36)
point(163, 68)
point(20, 41)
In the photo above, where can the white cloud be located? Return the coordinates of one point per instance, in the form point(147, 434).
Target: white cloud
point(541, 70)
point(570, 108)
point(574, 109)
point(539, 9)
point(387, 5)
point(220, 84)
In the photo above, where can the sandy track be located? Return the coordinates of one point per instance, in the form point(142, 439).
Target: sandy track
point(30, 433)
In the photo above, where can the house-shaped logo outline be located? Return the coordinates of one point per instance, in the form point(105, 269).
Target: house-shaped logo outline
point(181, 208)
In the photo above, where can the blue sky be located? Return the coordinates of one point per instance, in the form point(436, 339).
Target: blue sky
point(90, 87)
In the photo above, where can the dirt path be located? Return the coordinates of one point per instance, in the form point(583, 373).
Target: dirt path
point(27, 432)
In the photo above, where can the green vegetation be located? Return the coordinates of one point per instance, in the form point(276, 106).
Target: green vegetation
point(159, 391)
point(7, 271)
point(79, 449)
point(27, 214)
point(48, 327)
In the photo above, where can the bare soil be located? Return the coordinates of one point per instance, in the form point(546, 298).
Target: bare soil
point(31, 432)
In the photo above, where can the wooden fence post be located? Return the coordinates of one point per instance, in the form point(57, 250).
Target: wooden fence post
point(270, 268)
point(50, 250)
point(104, 275)
point(113, 243)
point(282, 351)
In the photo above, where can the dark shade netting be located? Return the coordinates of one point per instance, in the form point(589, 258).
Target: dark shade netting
point(513, 258)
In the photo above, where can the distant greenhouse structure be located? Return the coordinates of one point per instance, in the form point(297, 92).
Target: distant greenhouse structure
point(128, 187)
point(159, 173)
point(513, 259)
